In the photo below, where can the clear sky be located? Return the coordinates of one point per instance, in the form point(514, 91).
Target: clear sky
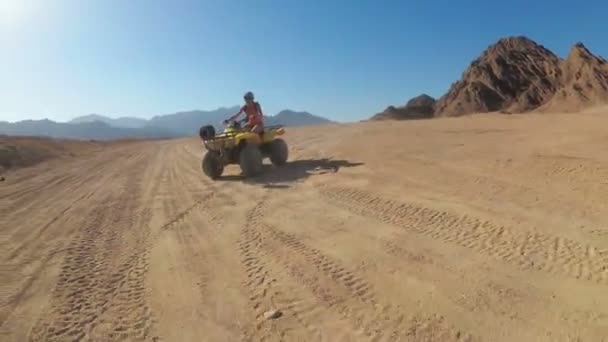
point(343, 59)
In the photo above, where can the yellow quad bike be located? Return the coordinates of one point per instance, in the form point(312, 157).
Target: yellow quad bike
point(238, 146)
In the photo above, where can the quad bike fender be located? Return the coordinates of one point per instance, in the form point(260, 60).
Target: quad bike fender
point(248, 138)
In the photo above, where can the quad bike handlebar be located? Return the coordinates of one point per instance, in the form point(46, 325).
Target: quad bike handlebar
point(234, 125)
point(228, 122)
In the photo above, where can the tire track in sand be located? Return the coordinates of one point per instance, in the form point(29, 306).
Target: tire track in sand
point(35, 208)
point(268, 288)
point(351, 296)
point(527, 250)
point(45, 246)
point(186, 197)
point(130, 315)
point(40, 252)
point(103, 272)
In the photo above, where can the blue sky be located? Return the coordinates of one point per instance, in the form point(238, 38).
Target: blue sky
point(341, 59)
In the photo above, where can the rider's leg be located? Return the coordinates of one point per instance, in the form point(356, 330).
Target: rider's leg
point(256, 129)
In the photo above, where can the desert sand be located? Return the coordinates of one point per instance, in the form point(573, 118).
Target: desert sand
point(478, 228)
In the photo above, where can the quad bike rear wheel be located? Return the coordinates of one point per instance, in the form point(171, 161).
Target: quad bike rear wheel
point(278, 152)
point(250, 160)
point(212, 165)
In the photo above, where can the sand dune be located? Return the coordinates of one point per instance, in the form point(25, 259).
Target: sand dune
point(479, 228)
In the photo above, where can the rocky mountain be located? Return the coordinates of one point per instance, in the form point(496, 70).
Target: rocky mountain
point(583, 83)
point(419, 107)
point(517, 75)
point(122, 122)
point(163, 126)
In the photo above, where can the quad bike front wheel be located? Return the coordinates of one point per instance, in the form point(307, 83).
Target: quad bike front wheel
point(250, 160)
point(212, 165)
point(278, 152)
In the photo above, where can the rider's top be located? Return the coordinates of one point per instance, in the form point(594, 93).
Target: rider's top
point(254, 113)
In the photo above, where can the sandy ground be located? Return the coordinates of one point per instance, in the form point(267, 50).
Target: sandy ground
point(482, 228)
point(18, 152)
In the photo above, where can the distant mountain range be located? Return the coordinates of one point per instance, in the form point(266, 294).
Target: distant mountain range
point(180, 124)
point(122, 122)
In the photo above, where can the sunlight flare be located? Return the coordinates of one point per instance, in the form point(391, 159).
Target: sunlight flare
point(12, 11)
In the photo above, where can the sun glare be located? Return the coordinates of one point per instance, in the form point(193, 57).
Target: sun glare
point(11, 11)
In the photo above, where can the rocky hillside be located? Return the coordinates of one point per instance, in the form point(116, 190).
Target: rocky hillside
point(517, 75)
point(514, 75)
point(584, 81)
point(420, 107)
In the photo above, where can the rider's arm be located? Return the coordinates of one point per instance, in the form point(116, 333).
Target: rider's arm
point(236, 115)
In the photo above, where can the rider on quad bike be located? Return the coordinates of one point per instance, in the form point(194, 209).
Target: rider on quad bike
point(253, 110)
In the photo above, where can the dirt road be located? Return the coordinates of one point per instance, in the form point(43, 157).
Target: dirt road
point(473, 229)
